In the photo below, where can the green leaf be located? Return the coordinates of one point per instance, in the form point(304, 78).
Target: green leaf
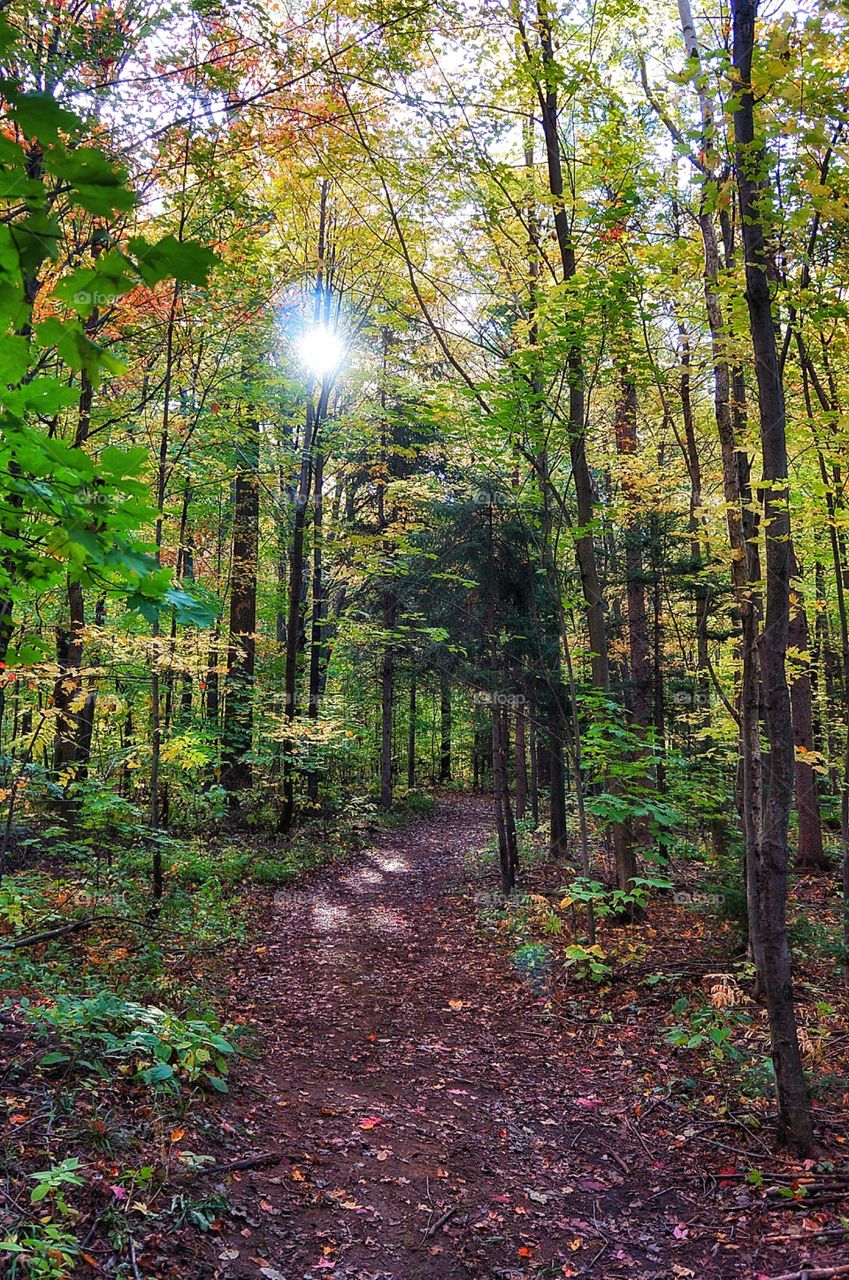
point(222, 1045)
point(91, 287)
point(39, 114)
point(8, 36)
point(185, 260)
point(76, 349)
point(14, 358)
point(35, 238)
point(99, 186)
point(189, 609)
point(161, 1071)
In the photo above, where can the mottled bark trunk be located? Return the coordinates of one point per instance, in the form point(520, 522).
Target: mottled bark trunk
point(639, 684)
point(411, 734)
point(317, 646)
point(521, 764)
point(810, 854)
point(387, 700)
point(773, 851)
point(67, 690)
point(534, 773)
point(445, 727)
point(237, 727)
point(508, 857)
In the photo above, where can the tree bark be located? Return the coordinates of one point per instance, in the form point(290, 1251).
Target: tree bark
point(444, 729)
point(237, 727)
point(317, 647)
point(772, 853)
point(810, 855)
point(521, 764)
point(387, 699)
point(508, 857)
point(411, 735)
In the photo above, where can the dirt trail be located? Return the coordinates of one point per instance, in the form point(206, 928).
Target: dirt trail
point(435, 1123)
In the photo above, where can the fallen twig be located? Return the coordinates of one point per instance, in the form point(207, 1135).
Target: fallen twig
point(247, 1162)
point(32, 940)
point(800, 1237)
point(816, 1273)
point(440, 1222)
point(136, 1272)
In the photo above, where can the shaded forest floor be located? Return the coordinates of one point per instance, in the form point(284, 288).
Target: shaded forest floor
point(429, 1083)
point(431, 1114)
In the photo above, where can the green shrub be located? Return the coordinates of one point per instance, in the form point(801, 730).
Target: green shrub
point(163, 1047)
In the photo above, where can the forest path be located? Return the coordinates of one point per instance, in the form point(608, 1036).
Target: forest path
point(434, 1123)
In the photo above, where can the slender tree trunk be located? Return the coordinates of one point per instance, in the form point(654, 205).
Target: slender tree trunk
point(155, 816)
point(508, 856)
point(729, 412)
point(68, 688)
point(237, 728)
point(772, 854)
point(186, 573)
point(521, 764)
point(534, 757)
point(411, 735)
point(317, 649)
point(314, 419)
point(444, 729)
point(694, 470)
point(640, 682)
point(584, 546)
point(387, 700)
point(810, 854)
point(557, 794)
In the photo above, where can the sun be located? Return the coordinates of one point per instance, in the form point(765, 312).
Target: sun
point(321, 350)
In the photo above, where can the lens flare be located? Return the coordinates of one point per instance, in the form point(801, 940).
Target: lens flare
point(321, 351)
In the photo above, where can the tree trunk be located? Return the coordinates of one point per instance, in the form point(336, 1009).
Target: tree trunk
point(444, 729)
point(411, 735)
point(810, 855)
point(68, 688)
point(559, 843)
point(294, 614)
point(584, 546)
point(508, 857)
point(534, 758)
point(773, 851)
point(640, 682)
point(237, 728)
point(521, 764)
point(317, 649)
point(387, 698)
point(741, 521)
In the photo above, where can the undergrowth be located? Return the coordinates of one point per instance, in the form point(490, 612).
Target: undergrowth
point(113, 1038)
